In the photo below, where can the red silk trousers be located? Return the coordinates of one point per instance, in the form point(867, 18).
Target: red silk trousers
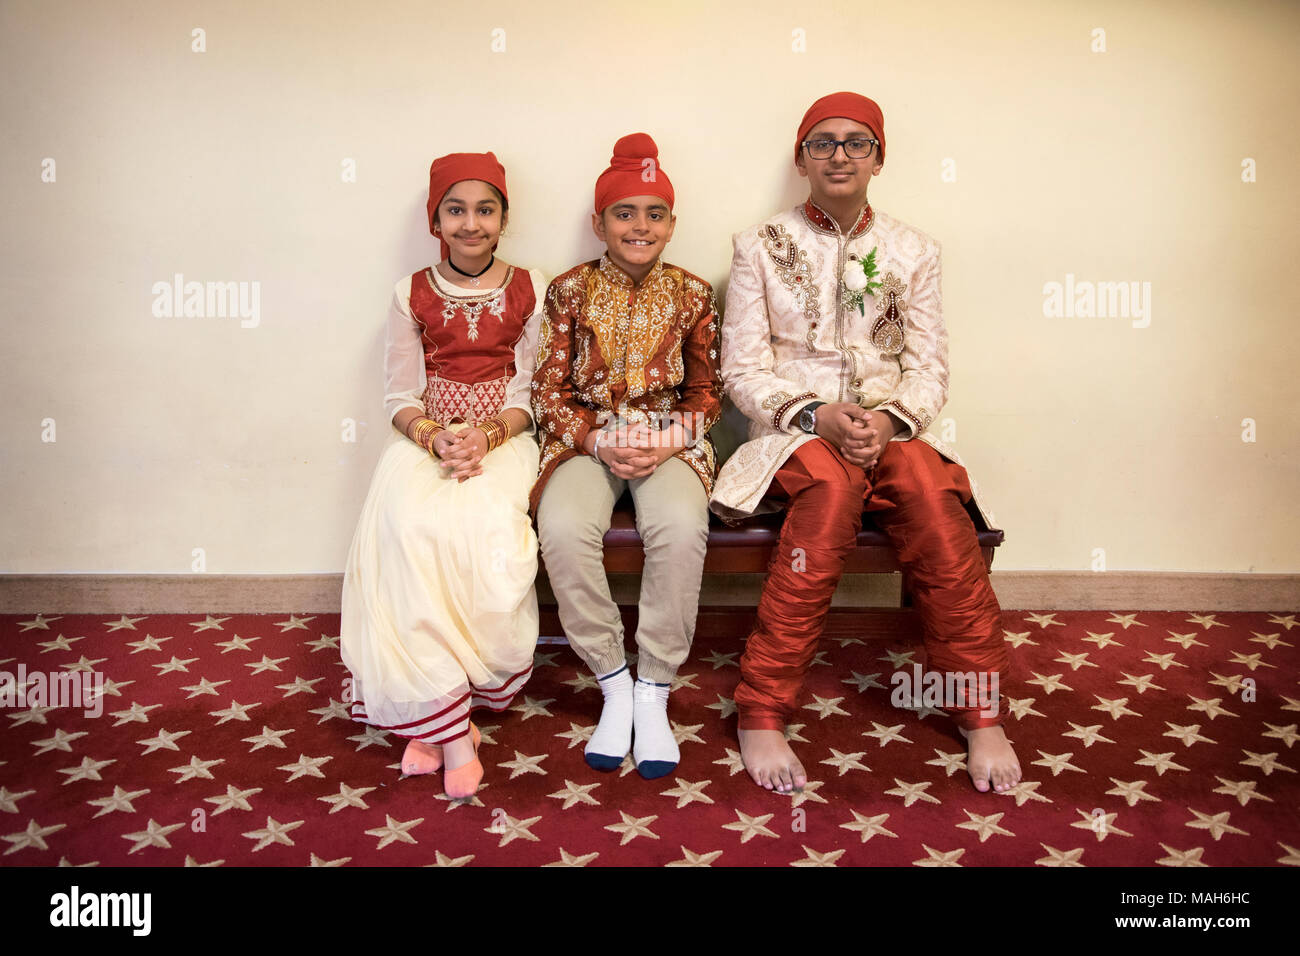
point(917, 498)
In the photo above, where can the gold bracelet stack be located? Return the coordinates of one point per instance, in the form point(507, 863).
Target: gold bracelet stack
point(495, 430)
point(422, 431)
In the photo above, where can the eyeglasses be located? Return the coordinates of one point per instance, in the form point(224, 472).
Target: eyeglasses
point(859, 147)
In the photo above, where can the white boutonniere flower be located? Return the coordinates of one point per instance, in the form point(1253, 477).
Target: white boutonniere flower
point(859, 280)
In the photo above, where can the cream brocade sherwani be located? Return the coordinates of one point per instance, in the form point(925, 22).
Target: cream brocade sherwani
point(788, 338)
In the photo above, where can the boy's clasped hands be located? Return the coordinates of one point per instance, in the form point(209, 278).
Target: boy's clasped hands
point(858, 434)
point(635, 450)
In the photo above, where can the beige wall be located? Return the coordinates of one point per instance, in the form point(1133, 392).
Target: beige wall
point(182, 433)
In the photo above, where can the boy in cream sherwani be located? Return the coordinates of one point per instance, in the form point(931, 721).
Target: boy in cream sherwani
point(834, 347)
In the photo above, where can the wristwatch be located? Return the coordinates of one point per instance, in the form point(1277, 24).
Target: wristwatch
point(808, 417)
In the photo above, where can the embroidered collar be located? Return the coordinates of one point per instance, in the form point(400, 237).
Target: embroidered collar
point(822, 222)
point(449, 290)
point(616, 275)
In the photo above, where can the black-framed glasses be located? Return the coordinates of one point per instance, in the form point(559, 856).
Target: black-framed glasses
point(857, 147)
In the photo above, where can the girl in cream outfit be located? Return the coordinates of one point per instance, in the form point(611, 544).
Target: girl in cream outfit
point(439, 608)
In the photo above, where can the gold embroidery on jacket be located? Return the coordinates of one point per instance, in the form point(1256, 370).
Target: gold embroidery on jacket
point(891, 311)
point(471, 305)
point(628, 337)
point(795, 273)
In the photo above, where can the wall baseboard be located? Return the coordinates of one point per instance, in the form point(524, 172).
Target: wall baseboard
point(273, 593)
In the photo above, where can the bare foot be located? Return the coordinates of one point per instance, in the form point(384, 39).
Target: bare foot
point(770, 761)
point(990, 759)
point(420, 757)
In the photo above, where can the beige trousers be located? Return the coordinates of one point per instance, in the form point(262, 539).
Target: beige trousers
point(672, 517)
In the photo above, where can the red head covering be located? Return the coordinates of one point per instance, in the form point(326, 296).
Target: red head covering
point(634, 170)
point(852, 106)
point(453, 168)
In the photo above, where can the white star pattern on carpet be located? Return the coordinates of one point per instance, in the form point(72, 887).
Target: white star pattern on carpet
point(1146, 738)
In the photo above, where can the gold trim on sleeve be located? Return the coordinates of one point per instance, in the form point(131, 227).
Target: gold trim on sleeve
point(787, 405)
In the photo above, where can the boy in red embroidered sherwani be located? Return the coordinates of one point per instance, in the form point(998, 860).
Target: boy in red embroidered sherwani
point(834, 347)
point(626, 389)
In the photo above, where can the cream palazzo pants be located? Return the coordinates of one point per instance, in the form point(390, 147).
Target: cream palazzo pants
point(672, 516)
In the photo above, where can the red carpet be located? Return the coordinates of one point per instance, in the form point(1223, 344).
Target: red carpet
point(224, 740)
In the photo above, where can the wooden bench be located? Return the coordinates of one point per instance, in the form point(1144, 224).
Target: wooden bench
point(746, 548)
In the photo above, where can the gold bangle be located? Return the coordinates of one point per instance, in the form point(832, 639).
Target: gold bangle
point(422, 431)
point(434, 428)
point(417, 423)
point(495, 430)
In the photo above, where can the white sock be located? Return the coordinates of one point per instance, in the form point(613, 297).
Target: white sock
point(655, 748)
point(612, 738)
